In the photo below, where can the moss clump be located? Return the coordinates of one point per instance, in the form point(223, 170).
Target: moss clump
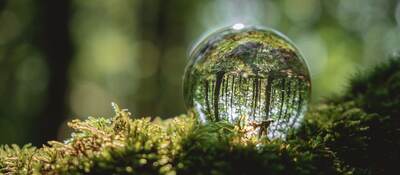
point(356, 133)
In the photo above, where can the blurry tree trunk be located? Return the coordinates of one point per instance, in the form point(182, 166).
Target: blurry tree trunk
point(152, 22)
point(2, 5)
point(56, 47)
point(161, 23)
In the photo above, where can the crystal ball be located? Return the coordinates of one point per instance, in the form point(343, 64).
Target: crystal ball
point(248, 72)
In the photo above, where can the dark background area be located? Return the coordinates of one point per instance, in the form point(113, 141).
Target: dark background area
point(70, 59)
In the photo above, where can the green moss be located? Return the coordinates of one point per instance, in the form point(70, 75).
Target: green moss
point(356, 133)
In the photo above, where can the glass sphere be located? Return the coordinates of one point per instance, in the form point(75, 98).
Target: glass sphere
point(248, 72)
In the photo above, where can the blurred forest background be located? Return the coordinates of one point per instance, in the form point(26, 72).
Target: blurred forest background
point(69, 59)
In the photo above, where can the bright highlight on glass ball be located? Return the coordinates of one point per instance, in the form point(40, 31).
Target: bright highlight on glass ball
point(248, 72)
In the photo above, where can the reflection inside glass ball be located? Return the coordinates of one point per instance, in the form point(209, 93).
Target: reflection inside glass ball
point(248, 71)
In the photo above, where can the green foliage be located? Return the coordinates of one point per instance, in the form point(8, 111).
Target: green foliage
point(16, 159)
point(357, 133)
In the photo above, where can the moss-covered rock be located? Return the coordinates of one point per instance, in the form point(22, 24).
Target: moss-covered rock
point(356, 133)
